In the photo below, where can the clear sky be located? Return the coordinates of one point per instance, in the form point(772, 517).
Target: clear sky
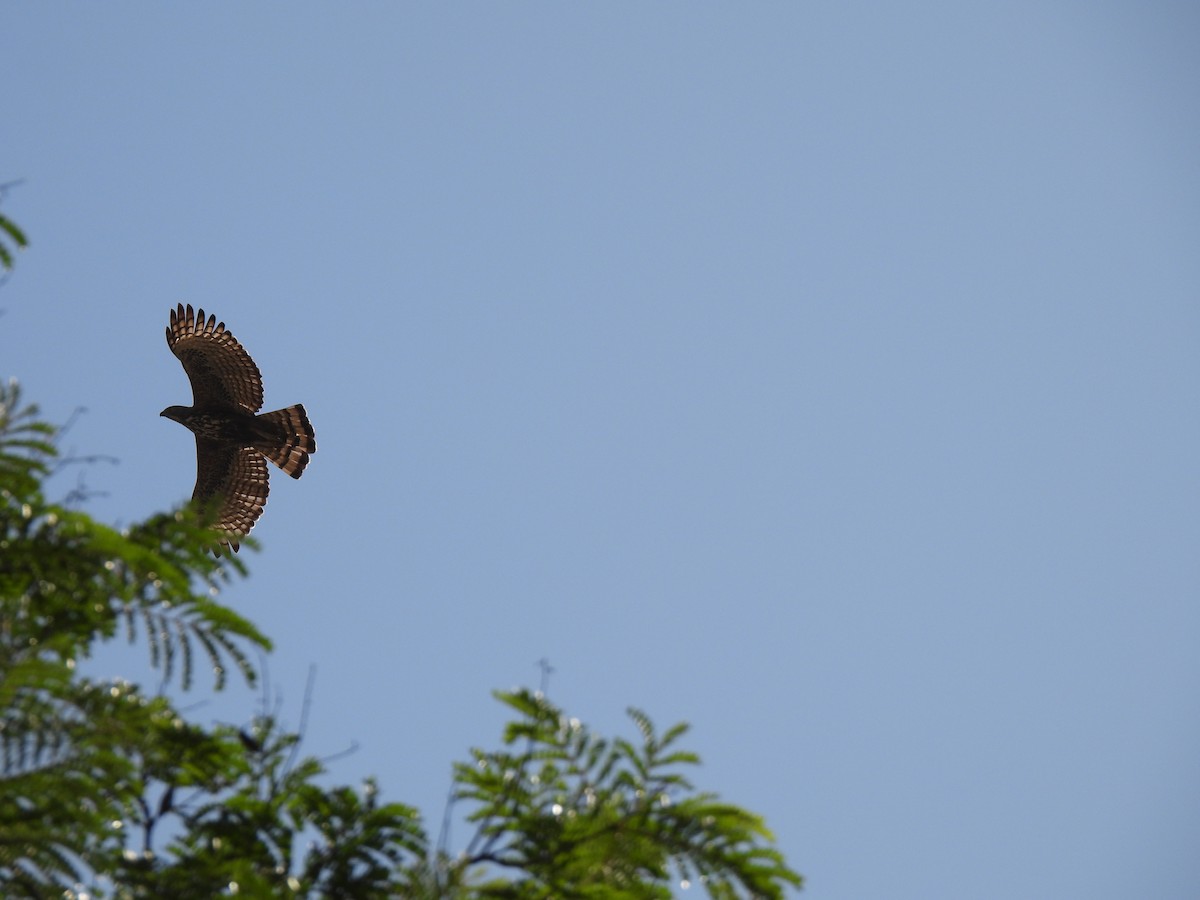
point(824, 375)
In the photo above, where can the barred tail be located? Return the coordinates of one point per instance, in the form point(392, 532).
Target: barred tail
point(286, 438)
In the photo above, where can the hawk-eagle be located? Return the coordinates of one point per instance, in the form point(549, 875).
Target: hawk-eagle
point(232, 442)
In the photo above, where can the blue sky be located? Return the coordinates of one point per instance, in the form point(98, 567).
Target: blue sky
point(824, 375)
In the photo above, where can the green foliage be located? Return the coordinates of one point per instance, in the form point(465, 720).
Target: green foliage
point(110, 792)
point(9, 234)
point(9, 230)
point(74, 754)
point(582, 816)
point(246, 805)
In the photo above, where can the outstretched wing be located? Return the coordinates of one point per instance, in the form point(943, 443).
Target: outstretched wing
point(219, 368)
point(231, 484)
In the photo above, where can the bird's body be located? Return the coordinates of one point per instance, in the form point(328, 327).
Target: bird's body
point(231, 425)
point(233, 441)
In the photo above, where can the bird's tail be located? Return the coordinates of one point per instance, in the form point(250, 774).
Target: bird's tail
point(286, 438)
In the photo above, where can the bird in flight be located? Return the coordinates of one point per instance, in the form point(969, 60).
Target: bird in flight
point(233, 442)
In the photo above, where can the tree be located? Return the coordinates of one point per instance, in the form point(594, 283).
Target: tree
point(106, 791)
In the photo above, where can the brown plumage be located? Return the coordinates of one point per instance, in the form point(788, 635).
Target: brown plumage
point(232, 442)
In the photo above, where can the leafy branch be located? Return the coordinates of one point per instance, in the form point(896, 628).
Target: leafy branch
point(9, 233)
point(580, 815)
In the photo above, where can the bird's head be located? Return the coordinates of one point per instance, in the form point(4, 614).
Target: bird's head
point(176, 413)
